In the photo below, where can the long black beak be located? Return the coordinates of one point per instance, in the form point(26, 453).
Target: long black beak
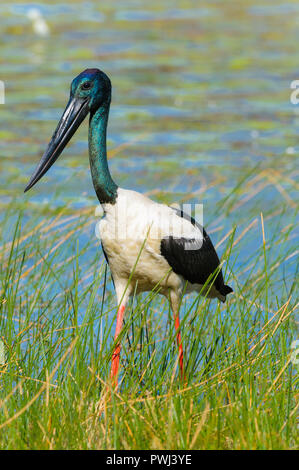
point(74, 113)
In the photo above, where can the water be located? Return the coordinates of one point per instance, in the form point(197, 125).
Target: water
point(201, 95)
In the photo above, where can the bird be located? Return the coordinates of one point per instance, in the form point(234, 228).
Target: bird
point(147, 245)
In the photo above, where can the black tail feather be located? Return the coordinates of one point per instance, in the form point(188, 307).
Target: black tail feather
point(224, 290)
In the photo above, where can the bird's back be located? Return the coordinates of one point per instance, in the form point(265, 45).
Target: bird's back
point(170, 247)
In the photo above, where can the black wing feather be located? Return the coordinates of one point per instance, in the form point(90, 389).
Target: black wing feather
point(105, 254)
point(197, 265)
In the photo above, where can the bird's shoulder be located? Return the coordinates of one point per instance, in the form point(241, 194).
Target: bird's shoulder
point(137, 216)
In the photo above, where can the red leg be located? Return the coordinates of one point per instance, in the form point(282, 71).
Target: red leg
point(116, 354)
point(179, 341)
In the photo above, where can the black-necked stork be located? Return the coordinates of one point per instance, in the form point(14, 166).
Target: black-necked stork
point(147, 245)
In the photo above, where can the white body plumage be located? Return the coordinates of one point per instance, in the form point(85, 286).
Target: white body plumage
point(147, 245)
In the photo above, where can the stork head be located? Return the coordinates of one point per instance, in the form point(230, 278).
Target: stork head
point(93, 86)
point(90, 90)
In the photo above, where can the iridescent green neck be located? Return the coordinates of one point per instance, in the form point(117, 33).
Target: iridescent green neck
point(104, 185)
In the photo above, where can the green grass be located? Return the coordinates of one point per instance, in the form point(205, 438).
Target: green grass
point(57, 323)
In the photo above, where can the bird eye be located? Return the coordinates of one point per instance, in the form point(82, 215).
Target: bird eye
point(86, 85)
